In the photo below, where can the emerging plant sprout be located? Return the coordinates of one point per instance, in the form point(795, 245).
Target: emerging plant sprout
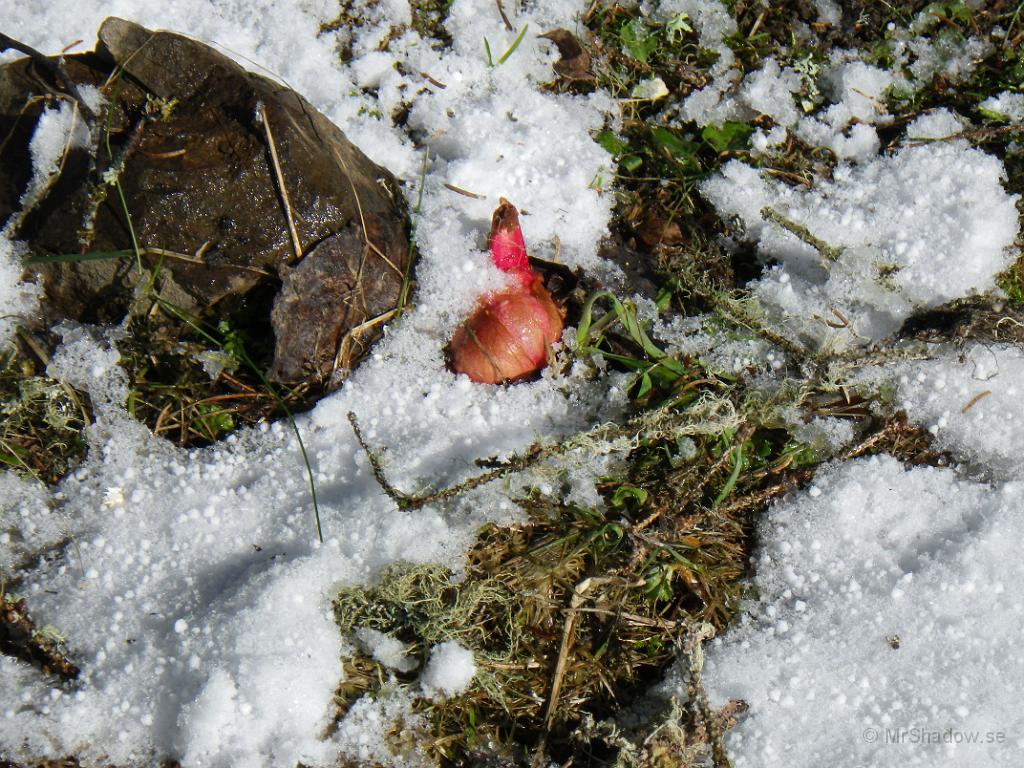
point(509, 334)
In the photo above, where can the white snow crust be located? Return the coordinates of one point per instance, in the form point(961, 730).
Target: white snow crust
point(886, 631)
point(917, 228)
point(195, 595)
point(449, 670)
point(883, 624)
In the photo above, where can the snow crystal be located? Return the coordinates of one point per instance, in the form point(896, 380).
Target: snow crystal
point(196, 598)
point(1006, 104)
point(386, 650)
point(712, 21)
point(366, 733)
point(88, 360)
point(19, 299)
point(952, 59)
point(449, 671)
point(939, 124)
point(917, 228)
point(761, 142)
point(719, 352)
point(769, 91)
point(829, 11)
point(58, 130)
point(845, 126)
point(885, 631)
point(825, 435)
point(971, 400)
point(25, 504)
point(857, 91)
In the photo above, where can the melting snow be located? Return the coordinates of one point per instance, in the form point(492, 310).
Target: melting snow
point(887, 627)
point(190, 583)
point(197, 599)
point(917, 228)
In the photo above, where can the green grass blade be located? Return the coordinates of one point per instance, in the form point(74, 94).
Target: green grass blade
point(197, 326)
point(63, 258)
point(515, 44)
point(733, 476)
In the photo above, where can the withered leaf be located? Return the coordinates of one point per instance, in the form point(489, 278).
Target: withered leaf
point(574, 64)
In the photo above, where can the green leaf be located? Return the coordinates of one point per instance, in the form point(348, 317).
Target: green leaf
point(215, 420)
point(738, 463)
point(611, 533)
point(680, 149)
point(678, 27)
point(645, 386)
point(626, 313)
point(611, 143)
point(638, 40)
point(587, 317)
point(625, 493)
point(730, 135)
point(663, 299)
point(515, 44)
point(658, 582)
point(991, 114)
point(632, 162)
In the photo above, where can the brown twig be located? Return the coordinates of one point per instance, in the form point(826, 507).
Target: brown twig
point(974, 400)
point(279, 176)
point(465, 192)
point(568, 636)
point(828, 253)
point(416, 501)
point(504, 18)
point(54, 67)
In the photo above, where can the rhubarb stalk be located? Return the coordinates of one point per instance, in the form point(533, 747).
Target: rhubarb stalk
point(509, 335)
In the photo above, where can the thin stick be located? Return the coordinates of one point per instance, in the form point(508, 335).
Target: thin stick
point(296, 245)
point(342, 353)
point(466, 192)
point(568, 635)
point(632, 431)
point(402, 500)
point(407, 501)
point(362, 219)
point(973, 401)
point(829, 253)
point(504, 18)
point(55, 68)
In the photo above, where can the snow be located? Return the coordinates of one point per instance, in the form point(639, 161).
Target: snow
point(829, 11)
point(905, 222)
point(386, 650)
point(196, 597)
point(58, 130)
point(18, 298)
point(970, 400)
point(1007, 105)
point(826, 436)
point(768, 91)
point(883, 625)
point(836, 104)
point(858, 94)
point(449, 671)
point(870, 557)
point(712, 21)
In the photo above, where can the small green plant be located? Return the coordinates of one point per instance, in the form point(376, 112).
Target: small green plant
point(511, 49)
point(41, 420)
point(639, 40)
point(656, 372)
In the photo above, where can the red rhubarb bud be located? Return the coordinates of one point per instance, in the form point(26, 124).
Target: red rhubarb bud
point(509, 334)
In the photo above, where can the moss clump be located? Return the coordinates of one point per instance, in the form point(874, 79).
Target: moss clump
point(41, 420)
